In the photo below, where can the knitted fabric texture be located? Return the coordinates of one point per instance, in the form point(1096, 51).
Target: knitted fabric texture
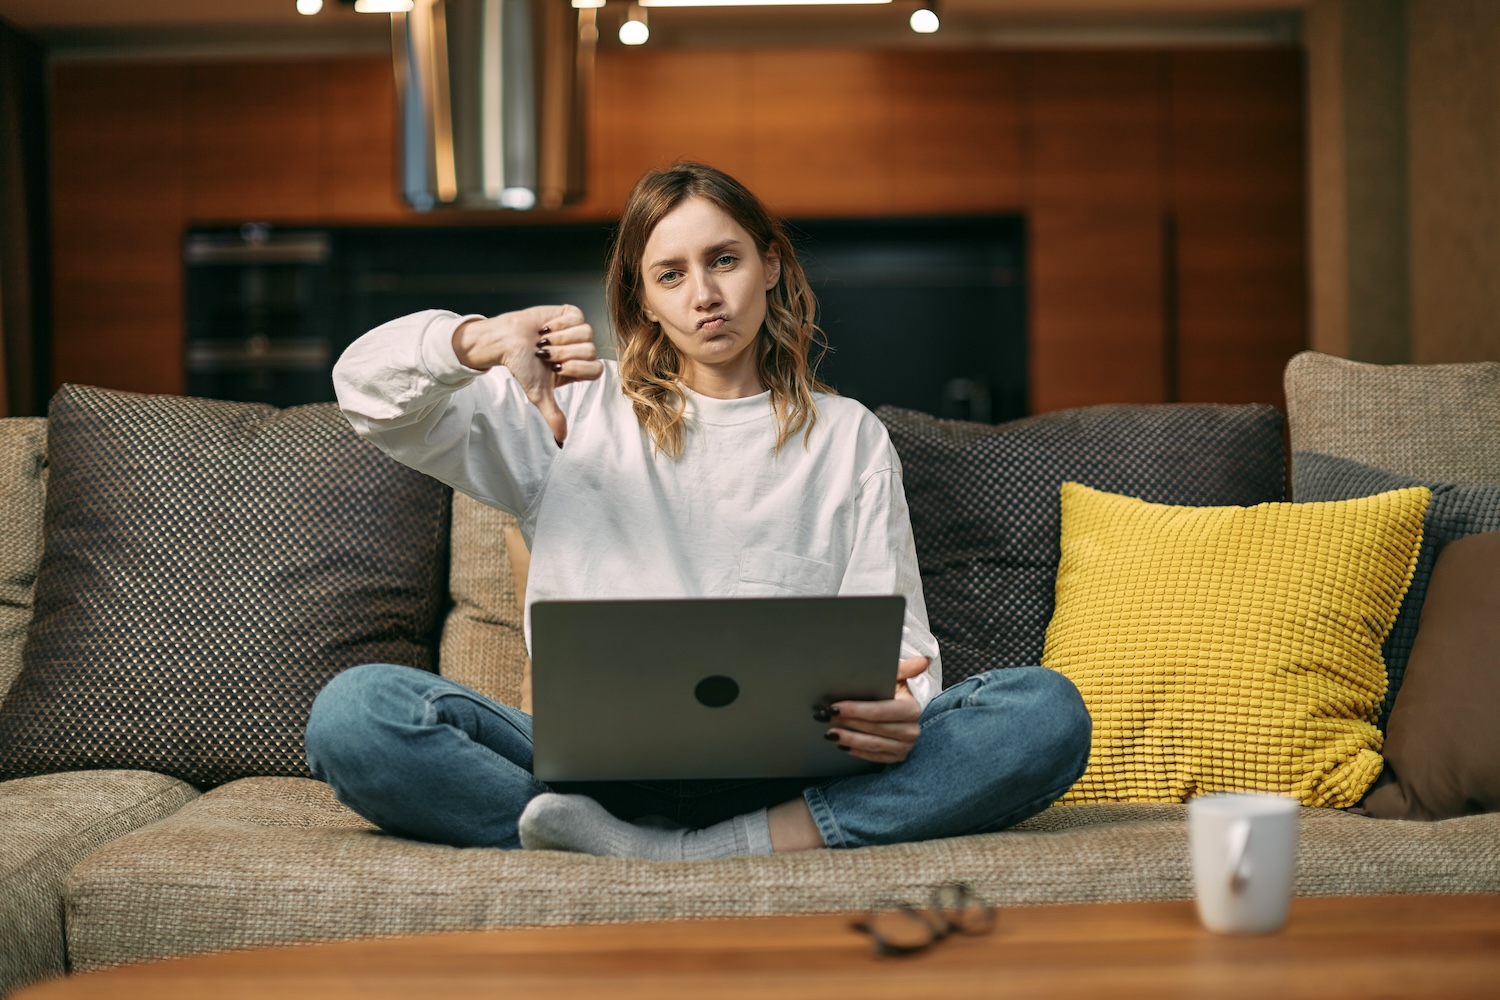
point(48, 824)
point(1455, 512)
point(1230, 649)
point(984, 509)
point(23, 485)
point(1438, 422)
point(483, 646)
point(267, 861)
point(207, 567)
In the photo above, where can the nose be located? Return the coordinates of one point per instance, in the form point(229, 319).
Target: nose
point(706, 295)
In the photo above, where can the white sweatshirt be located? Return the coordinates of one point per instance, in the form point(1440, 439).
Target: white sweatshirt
point(608, 516)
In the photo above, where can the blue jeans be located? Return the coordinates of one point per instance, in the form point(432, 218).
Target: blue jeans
point(422, 757)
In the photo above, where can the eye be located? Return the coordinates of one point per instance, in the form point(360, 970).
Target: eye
point(667, 277)
point(725, 260)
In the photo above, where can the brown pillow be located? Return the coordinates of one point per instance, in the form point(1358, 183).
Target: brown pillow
point(1442, 748)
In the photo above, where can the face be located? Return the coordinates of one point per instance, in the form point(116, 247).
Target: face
point(705, 283)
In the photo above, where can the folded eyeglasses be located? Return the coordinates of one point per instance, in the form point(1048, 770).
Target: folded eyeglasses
point(897, 928)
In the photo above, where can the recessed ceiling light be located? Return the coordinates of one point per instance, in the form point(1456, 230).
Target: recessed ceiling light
point(383, 6)
point(924, 20)
point(309, 6)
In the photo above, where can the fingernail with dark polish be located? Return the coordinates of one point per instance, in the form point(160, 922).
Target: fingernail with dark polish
point(843, 748)
point(831, 735)
point(544, 342)
point(544, 353)
point(556, 366)
point(822, 715)
point(546, 330)
point(833, 710)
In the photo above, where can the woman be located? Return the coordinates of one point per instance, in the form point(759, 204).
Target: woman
point(708, 462)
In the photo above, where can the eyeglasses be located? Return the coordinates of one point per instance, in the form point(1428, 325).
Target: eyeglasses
point(898, 928)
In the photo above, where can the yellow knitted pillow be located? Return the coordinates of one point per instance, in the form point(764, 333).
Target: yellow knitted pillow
point(1230, 648)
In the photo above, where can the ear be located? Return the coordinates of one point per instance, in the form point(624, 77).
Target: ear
point(773, 267)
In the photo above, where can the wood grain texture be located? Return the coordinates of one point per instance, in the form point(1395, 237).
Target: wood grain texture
point(1096, 307)
point(357, 161)
point(955, 120)
point(1095, 128)
point(1099, 148)
point(1454, 159)
point(1237, 179)
point(118, 207)
point(652, 109)
point(1095, 138)
point(820, 131)
point(254, 140)
point(1419, 946)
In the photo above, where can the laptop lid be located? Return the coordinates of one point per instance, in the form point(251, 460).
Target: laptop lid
point(704, 687)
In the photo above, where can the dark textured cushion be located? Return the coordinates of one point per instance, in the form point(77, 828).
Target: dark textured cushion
point(207, 567)
point(1455, 512)
point(1442, 748)
point(986, 513)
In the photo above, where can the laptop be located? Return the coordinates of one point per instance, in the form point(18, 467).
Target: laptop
point(704, 687)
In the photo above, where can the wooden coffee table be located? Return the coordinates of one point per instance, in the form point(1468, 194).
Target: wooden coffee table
point(1388, 946)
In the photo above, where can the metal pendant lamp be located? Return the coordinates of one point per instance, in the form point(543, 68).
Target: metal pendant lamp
point(492, 102)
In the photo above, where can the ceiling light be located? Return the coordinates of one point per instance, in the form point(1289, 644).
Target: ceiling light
point(751, 3)
point(383, 6)
point(309, 6)
point(634, 31)
point(587, 4)
point(924, 20)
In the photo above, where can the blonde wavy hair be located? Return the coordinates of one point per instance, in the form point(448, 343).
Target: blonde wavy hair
point(650, 368)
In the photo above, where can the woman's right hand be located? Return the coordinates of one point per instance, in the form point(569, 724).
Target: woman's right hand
point(544, 347)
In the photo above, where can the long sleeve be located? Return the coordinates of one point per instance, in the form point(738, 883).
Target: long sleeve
point(403, 389)
point(883, 560)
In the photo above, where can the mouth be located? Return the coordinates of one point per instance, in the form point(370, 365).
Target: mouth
point(713, 323)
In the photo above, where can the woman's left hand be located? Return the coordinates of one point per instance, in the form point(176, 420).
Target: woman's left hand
point(881, 731)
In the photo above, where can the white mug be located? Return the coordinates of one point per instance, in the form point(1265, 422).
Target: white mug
point(1244, 858)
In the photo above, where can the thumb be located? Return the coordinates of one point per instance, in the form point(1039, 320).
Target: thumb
point(914, 667)
point(547, 404)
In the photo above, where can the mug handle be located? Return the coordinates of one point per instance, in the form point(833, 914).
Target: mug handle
point(1239, 854)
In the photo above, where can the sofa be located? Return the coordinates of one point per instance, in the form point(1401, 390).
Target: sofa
point(162, 557)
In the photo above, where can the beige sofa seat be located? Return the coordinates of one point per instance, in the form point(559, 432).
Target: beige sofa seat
point(47, 824)
point(265, 861)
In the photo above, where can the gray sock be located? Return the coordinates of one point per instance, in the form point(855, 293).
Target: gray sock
point(552, 822)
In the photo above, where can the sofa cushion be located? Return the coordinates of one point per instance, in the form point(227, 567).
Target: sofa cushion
point(484, 645)
point(1437, 422)
point(274, 860)
point(1442, 747)
point(23, 482)
point(1230, 648)
point(1455, 512)
point(207, 567)
point(984, 503)
point(47, 824)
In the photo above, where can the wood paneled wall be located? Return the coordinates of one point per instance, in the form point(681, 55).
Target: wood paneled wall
point(1163, 190)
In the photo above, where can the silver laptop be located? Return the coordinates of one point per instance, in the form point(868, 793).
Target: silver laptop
point(704, 687)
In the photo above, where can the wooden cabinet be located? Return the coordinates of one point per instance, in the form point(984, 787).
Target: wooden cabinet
point(1096, 144)
point(119, 182)
point(1163, 191)
point(1237, 196)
